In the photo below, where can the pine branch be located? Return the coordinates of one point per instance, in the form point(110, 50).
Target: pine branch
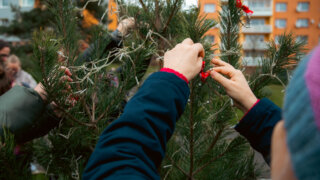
point(209, 162)
point(191, 127)
point(171, 16)
point(144, 6)
point(177, 166)
point(214, 141)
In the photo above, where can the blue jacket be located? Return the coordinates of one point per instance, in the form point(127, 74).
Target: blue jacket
point(257, 126)
point(133, 146)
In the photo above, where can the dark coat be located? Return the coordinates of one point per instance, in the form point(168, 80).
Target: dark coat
point(258, 124)
point(23, 113)
point(133, 146)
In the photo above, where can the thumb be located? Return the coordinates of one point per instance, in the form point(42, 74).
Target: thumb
point(220, 79)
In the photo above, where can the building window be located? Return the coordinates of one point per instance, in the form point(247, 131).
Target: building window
point(281, 23)
point(255, 38)
point(26, 3)
point(257, 22)
point(4, 3)
point(303, 7)
point(4, 22)
point(210, 39)
point(209, 8)
point(277, 39)
point(258, 4)
point(302, 39)
point(281, 7)
point(253, 54)
point(301, 23)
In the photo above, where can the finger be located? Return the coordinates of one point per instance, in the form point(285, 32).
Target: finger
point(66, 70)
point(199, 64)
point(219, 62)
point(225, 71)
point(199, 49)
point(187, 41)
point(220, 79)
point(66, 78)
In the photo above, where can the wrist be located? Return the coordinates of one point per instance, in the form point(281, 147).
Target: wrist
point(40, 90)
point(178, 74)
point(250, 103)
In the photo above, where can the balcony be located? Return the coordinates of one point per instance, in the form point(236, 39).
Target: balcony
point(264, 29)
point(252, 61)
point(254, 45)
point(261, 8)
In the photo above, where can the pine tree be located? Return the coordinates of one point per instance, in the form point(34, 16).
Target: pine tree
point(204, 145)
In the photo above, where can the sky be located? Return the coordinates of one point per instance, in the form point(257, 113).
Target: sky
point(190, 3)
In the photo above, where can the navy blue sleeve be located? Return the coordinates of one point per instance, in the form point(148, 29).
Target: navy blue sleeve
point(133, 146)
point(257, 126)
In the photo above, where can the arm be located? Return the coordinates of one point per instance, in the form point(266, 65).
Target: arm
point(261, 116)
point(258, 124)
point(19, 108)
point(110, 41)
point(133, 146)
point(24, 112)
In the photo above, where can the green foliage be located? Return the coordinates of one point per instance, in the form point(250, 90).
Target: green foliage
point(13, 166)
point(276, 66)
point(204, 145)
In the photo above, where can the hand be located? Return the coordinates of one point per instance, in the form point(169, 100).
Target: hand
point(236, 87)
point(40, 89)
point(186, 58)
point(125, 25)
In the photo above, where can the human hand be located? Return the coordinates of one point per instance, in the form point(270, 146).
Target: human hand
point(125, 25)
point(185, 58)
point(236, 86)
point(40, 88)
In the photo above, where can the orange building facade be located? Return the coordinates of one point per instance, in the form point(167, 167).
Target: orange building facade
point(270, 19)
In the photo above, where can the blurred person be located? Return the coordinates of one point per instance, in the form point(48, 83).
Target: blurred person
point(18, 75)
point(4, 51)
point(113, 40)
point(5, 81)
point(26, 113)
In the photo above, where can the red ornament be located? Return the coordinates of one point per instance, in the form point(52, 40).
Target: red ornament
point(204, 75)
point(246, 9)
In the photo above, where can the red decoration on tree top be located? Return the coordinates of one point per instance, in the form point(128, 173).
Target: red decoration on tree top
point(245, 8)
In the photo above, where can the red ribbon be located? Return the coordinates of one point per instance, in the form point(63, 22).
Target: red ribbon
point(204, 75)
point(246, 9)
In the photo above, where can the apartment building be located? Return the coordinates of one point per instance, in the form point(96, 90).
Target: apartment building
point(6, 14)
point(270, 19)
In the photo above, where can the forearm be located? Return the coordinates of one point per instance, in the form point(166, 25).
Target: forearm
point(134, 145)
point(19, 108)
point(258, 124)
point(110, 41)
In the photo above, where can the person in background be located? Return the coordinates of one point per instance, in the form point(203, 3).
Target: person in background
point(5, 81)
point(25, 112)
point(18, 75)
point(4, 51)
